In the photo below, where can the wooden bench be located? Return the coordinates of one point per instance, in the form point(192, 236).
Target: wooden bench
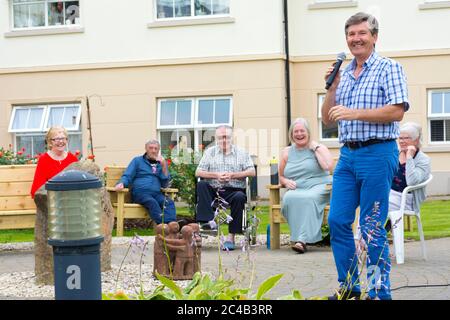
point(276, 218)
point(121, 200)
point(17, 208)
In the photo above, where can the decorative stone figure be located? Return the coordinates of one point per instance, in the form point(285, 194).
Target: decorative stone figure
point(174, 229)
point(184, 250)
point(184, 261)
point(160, 262)
point(198, 247)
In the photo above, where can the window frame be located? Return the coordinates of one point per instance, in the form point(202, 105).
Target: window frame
point(23, 107)
point(436, 116)
point(213, 125)
point(320, 96)
point(55, 106)
point(44, 118)
point(43, 127)
point(174, 126)
point(192, 16)
point(194, 125)
point(46, 17)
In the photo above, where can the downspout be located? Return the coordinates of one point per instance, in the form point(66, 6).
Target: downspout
point(287, 66)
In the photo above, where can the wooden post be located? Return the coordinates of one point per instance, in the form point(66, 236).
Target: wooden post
point(119, 214)
point(408, 223)
point(274, 214)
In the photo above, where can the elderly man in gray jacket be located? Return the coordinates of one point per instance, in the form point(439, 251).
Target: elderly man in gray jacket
point(414, 167)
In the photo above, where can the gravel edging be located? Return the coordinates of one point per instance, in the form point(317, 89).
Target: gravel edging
point(123, 241)
point(21, 285)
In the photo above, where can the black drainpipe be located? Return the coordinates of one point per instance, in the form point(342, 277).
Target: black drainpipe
point(287, 67)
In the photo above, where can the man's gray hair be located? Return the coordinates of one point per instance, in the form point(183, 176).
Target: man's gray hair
point(414, 130)
point(153, 141)
point(225, 126)
point(302, 121)
point(361, 17)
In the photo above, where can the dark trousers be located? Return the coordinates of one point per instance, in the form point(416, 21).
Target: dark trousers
point(154, 202)
point(236, 198)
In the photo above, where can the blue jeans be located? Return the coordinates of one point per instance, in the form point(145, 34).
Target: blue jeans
point(363, 178)
point(153, 202)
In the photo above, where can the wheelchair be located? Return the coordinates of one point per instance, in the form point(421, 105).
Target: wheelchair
point(250, 221)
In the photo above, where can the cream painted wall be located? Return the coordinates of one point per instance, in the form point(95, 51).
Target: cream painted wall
point(126, 115)
point(403, 26)
point(117, 31)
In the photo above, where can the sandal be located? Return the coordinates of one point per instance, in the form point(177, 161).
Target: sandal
point(299, 247)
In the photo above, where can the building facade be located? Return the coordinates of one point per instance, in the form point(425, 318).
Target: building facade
point(118, 73)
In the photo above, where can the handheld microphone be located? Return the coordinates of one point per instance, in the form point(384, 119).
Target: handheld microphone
point(337, 66)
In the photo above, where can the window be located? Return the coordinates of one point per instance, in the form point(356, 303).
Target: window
point(29, 124)
point(439, 115)
point(434, 4)
point(329, 132)
point(191, 8)
point(44, 13)
point(189, 123)
point(329, 4)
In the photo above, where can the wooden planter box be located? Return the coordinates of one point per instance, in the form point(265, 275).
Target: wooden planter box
point(17, 208)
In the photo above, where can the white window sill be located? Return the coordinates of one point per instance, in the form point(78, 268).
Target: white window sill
point(434, 5)
point(189, 22)
point(44, 31)
point(331, 143)
point(332, 5)
point(436, 148)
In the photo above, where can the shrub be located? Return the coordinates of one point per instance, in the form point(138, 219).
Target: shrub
point(182, 170)
point(9, 157)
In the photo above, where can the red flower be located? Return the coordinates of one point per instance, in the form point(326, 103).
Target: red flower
point(19, 153)
point(28, 156)
point(77, 152)
point(91, 157)
point(169, 161)
point(1, 154)
point(23, 149)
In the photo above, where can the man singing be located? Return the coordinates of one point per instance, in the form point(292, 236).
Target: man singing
point(367, 100)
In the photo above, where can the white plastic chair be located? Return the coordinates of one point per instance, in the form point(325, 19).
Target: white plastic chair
point(397, 223)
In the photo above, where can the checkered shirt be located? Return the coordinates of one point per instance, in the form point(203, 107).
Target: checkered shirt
point(381, 82)
point(214, 160)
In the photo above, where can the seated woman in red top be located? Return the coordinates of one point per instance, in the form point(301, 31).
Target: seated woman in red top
point(54, 160)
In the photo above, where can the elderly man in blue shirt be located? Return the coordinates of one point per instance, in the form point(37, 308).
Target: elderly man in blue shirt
point(367, 100)
point(146, 175)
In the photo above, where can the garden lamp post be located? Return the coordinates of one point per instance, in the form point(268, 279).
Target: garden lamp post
point(74, 222)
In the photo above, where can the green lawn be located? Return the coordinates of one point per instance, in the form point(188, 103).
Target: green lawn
point(435, 216)
point(435, 219)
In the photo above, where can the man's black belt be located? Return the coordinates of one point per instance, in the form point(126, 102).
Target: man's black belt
point(360, 144)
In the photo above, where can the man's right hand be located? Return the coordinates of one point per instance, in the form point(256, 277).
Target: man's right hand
point(118, 186)
point(223, 177)
point(336, 79)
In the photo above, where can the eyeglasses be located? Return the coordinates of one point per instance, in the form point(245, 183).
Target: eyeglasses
point(404, 138)
point(224, 138)
point(58, 139)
